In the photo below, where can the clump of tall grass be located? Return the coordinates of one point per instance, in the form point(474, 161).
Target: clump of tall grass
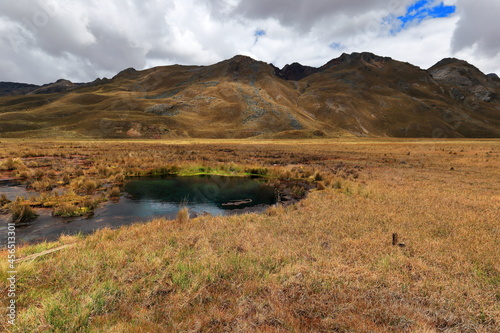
point(183, 215)
point(42, 185)
point(66, 178)
point(317, 176)
point(337, 184)
point(285, 175)
point(38, 174)
point(257, 171)
point(320, 186)
point(298, 191)
point(21, 211)
point(116, 178)
point(89, 186)
point(11, 164)
point(85, 185)
point(68, 209)
point(23, 173)
point(91, 203)
point(275, 210)
point(3, 200)
point(114, 192)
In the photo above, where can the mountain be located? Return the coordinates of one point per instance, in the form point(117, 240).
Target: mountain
point(358, 94)
point(13, 89)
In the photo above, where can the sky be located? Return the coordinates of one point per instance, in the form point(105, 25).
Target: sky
point(42, 41)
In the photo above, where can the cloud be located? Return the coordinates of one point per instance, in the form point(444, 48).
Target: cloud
point(44, 40)
point(304, 15)
point(478, 27)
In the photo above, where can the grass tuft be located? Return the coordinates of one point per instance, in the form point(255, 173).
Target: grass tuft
point(21, 212)
point(183, 215)
point(114, 192)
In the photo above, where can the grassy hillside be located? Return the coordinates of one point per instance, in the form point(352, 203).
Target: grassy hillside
point(354, 95)
point(323, 264)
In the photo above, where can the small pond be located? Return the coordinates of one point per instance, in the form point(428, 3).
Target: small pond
point(145, 198)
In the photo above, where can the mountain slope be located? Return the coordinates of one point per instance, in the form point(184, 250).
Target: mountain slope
point(359, 94)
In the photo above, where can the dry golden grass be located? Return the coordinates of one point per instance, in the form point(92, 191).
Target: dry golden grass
point(323, 264)
point(183, 215)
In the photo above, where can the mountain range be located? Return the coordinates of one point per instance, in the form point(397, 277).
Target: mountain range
point(358, 94)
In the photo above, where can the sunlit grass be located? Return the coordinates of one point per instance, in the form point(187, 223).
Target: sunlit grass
point(323, 264)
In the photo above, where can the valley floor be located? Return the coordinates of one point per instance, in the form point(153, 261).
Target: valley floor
point(323, 264)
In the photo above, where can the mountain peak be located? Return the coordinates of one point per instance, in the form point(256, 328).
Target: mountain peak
point(346, 58)
point(129, 73)
point(296, 71)
point(242, 58)
point(457, 71)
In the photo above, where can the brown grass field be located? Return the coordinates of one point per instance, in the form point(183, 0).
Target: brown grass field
point(324, 264)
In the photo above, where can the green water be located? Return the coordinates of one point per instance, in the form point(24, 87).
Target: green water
point(211, 194)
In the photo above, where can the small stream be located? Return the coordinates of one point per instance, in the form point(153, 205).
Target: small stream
point(143, 199)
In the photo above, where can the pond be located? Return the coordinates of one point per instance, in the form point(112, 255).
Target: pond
point(146, 198)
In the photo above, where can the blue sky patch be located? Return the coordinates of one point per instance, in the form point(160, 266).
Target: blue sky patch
point(337, 46)
point(424, 9)
point(259, 33)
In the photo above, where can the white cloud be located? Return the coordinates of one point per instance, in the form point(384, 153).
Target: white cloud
point(41, 41)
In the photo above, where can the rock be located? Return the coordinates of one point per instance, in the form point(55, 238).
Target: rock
point(483, 94)
point(456, 94)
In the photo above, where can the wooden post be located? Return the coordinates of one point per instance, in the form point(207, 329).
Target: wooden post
point(394, 239)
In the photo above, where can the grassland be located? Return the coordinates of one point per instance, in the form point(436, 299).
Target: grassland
point(323, 264)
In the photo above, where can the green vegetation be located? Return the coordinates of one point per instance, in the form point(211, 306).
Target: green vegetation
point(70, 210)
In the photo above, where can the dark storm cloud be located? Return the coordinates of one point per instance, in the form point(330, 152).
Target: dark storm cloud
point(478, 27)
point(305, 14)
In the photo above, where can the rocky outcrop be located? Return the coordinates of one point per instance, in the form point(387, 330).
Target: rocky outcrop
point(296, 71)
